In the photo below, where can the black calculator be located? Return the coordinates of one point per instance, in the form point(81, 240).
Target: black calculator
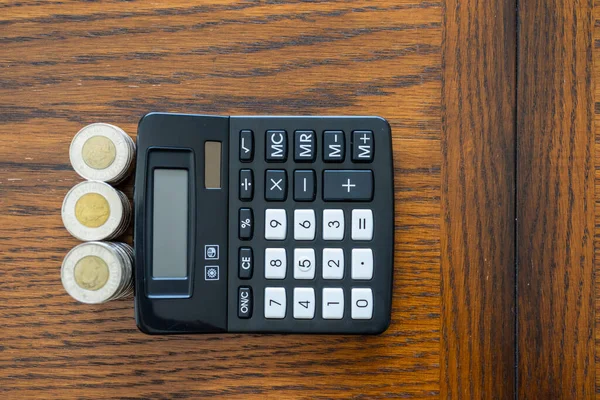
point(263, 224)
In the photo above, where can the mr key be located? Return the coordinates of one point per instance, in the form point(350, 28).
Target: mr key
point(307, 245)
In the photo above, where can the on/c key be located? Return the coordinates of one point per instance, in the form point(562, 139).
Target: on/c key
point(245, 302)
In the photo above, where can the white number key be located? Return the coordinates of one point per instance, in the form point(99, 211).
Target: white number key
point(333, 303)
point(362, 224)
point(304, 303)
point(362, 303)
point(333, 263)
point(275, 224)
point(275, 263)
point(304, 224)
point(362, 263)
point(304, 263)
point(275, 302)
point(333, 224)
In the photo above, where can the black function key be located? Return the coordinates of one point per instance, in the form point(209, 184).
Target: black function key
point(246, 145)
point(304, 185)
point(276, 146)
point(246, 263)
point(349, 185)
point(305, 146)
point(334, 146)
point(246, 222)
point(245, 302)
point(275, 185)
point(363, 146)
point(246, 184)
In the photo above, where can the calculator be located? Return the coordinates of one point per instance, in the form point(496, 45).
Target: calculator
point(263, 224)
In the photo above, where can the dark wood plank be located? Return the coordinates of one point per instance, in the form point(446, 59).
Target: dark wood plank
point(67, 63)
point(478, 147)
point(555, 192)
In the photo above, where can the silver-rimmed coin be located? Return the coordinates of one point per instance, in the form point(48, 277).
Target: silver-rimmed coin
point(102, 152)
point(126, 253)
point(94, 210)
point(127, 213)
point(94, 273)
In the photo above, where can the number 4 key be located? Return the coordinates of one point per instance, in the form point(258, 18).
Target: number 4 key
point(304, 303)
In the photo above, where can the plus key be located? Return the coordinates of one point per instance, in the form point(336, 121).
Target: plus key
point(347, 185)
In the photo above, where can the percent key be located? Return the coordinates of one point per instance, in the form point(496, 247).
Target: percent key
point(246, 219)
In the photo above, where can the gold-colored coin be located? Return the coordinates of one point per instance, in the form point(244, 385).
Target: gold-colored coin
point(91, 273)
point(92, 210)
point(98, 152)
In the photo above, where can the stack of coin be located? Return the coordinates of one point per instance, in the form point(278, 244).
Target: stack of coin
point(102, 152)
point(94, 210)
point(97, 272)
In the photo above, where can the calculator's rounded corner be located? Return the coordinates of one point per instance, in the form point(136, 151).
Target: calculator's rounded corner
point(141, 324)
point(384, 122)
point(144, 328)
point(382, 325)
point(147, 118)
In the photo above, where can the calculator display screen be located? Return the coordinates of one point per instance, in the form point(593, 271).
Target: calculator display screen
point(170, 223)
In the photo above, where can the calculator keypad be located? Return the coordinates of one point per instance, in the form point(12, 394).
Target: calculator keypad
point(362, 224)
point(245, 302)
point(275, 185)
point(275, 302)
point(333, 303)
point(362, 146)
point(246, 223)
point(334, 146)
point(347, 185)
point(305, 146)
point(305, 263)
point(275, 263)
point(333, 263)
point(304, 185)
point(304, 224)
point(246, 145)
point(246, 263)
point(362, 264)
point(333, 224)
point(275, 224)
point(315, 225)
point(304, 303)
point(276, 148)
point(362, 303)
point(246, 184)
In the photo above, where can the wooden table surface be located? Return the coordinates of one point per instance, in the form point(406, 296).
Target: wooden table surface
point(493, 156)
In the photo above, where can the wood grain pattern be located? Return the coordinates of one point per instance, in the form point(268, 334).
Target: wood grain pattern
point(596, 76)
point(477, 242)
point(555, 200)
point(67, 63)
